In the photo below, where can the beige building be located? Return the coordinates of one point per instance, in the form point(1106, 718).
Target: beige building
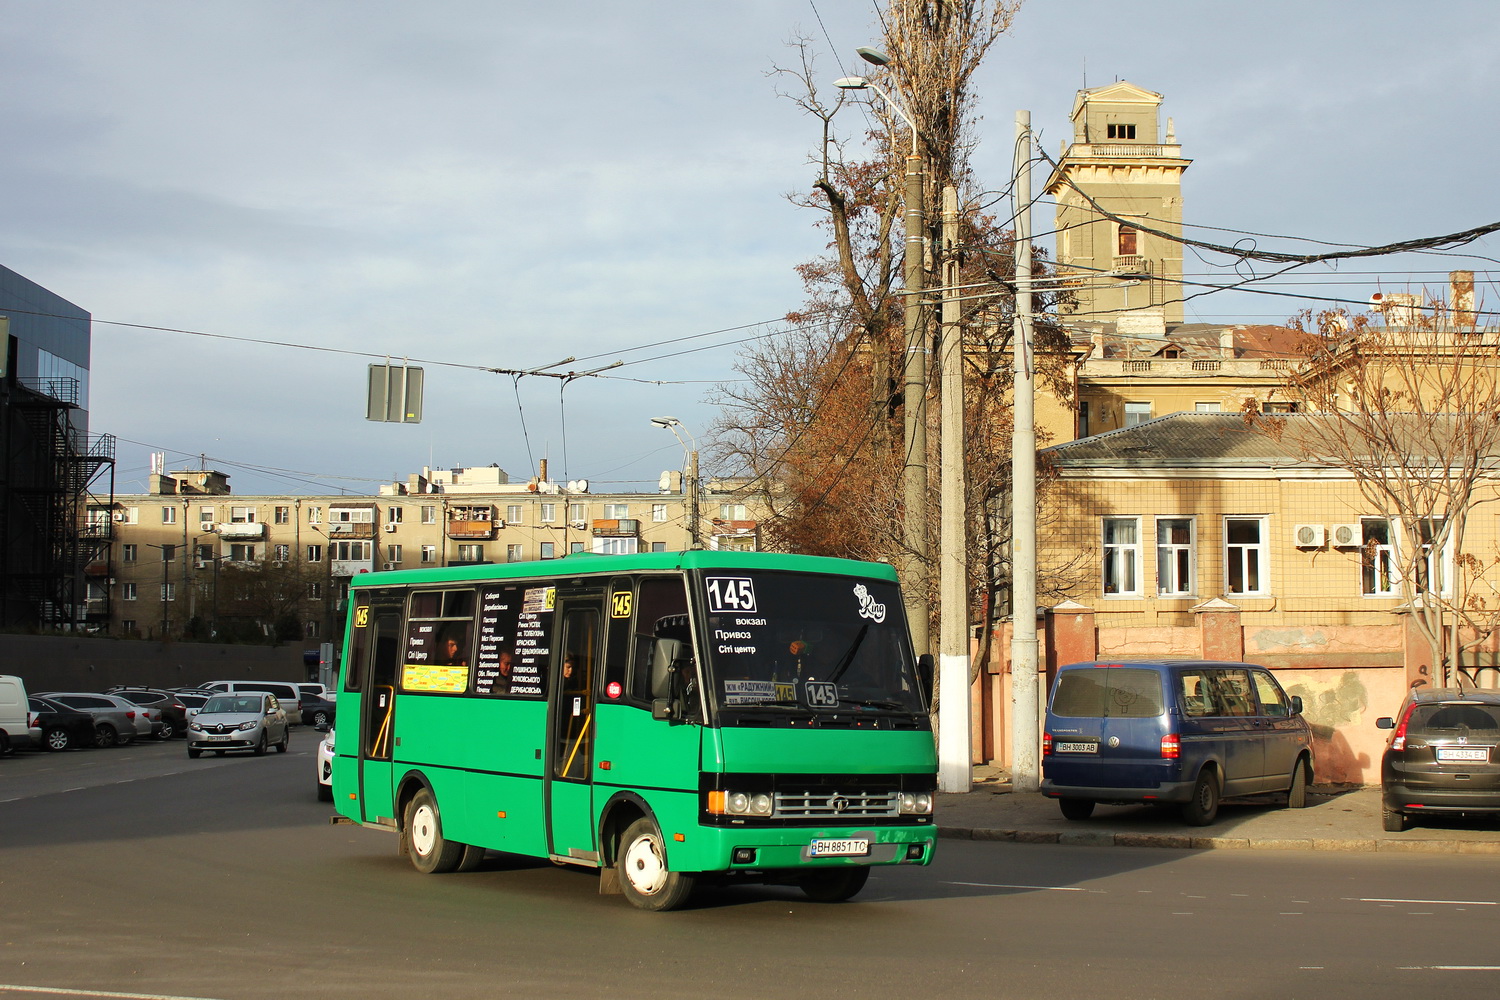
point(177, 550)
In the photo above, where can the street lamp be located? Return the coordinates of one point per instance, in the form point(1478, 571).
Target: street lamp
point(673, 424)
point(913, 379)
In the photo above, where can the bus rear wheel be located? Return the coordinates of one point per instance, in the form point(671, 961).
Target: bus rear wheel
point(422, 837)
point(833, 885)
point(644, 876)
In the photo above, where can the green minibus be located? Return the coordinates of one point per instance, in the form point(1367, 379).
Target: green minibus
point(665, 718)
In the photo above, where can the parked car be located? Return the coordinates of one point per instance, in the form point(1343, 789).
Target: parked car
point(316, 711)
point(116, 721)
point(286, 692)
point(1186, 732)
point(325, 767)
point(192, 701)
point(62, 728)
point(249, 720)
point(317, 690)
point(173, 711)
point(1440, 758)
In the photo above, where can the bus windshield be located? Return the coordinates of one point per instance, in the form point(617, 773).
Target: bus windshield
point(807, 644)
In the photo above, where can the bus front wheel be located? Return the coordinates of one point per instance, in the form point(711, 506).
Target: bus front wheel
point(430, 852)
point(644, 876)
point(833, 885)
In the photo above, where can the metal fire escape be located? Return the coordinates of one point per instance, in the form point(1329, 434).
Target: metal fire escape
point(56, 511)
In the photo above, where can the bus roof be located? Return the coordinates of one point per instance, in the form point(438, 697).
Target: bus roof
point(595, 564)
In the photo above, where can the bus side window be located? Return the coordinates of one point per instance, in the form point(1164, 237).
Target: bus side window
point(660, 612)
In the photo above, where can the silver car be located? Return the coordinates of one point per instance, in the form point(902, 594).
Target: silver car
point(250, 720)
point(116, 720)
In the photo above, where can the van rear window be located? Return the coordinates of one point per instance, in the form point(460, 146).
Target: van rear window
point(1108, 692)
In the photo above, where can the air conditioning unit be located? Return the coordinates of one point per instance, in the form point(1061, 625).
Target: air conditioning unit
point(389, 565)
point(1308, 536)
point(578, 524)
point(390, 527)
point(120, 515)
point(499, 522)
point(1347, 536)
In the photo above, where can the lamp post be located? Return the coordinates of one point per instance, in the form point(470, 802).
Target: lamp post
point(690, 488)
point(913, 378)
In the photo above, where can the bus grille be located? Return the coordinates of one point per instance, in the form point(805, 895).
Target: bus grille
point(833, 805)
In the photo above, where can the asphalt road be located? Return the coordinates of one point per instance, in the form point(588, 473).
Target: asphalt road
point(136, 872)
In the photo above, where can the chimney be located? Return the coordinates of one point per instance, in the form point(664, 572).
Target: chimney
point(1461, 299)
point(543, 470)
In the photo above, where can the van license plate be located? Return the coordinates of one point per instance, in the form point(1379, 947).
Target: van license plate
point(1076, 747)
point(1463, 753)
point(839, 848)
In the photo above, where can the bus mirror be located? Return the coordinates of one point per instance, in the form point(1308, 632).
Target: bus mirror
point(663, 655)
point(661, 708)
point(924, 677)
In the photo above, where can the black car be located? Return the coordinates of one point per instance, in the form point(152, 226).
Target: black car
point(63, 728)
point(173, 712)
point(316, 711)
point(1441, 756)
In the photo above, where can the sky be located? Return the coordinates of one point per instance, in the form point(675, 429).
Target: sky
point(306, 188)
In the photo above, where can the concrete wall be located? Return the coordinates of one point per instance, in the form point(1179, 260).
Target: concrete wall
point(66, 663)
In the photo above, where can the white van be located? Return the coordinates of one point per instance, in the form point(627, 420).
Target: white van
point(15, 715)
point(289, 693)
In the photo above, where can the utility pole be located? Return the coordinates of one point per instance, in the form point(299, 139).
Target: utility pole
point(1024, 776)
point(695, 541)
point(914, 410)
point(955, 723)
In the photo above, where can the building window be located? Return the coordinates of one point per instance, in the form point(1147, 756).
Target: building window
point(513, 553)
point(127, 591)
point(658, 512)
point(1377, 559)
point(575, 547)
point(1137, 413)
point(549, 513)
point(1083, 419)
point(314, 590)
point(128, 552)
point(547, 550)
point(1245, 555)
point(282, 553)
point(658, 546)
point(241, 553)
point(1122, 556)
point(429, 514)
point(351, 551)
point(732, 512)
point(312, 630)
point(470, 553)
point(578, 511)
point(203, 553)
point(169, 591)
point(1270, 407)
point(314, 515)
point(351, 515)
point(1432, 569)
point(283, 515)
point(242, 515)
point(205, 516)
point(128, 626)
point(1120, 132)
point(614, 511)
point(315, 553)
point(429, 553)
point(169, 515)
point(1207, 408)
point(393, 553)
point(1174, 556)
point(168, 553)
point(616, 546)
point(1128, 242)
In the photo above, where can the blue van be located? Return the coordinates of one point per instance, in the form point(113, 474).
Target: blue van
point(1172, 731)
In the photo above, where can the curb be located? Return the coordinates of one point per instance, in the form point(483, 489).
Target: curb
point(1185, 842)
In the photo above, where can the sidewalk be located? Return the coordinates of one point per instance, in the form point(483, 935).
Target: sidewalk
point(1332, 821)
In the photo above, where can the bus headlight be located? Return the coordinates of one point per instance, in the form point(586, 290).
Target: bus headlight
point(916, 803)
point(761, 805)
point(739, 804)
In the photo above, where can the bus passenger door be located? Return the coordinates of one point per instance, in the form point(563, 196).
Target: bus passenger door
point(577, 659)
point(377, 734)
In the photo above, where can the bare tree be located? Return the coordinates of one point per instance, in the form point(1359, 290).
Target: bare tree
point(1410, 409)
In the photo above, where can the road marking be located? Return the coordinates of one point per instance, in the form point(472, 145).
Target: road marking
point(1001, 885)
point(1428, 902)
point(1448, 968)
point(60, 991)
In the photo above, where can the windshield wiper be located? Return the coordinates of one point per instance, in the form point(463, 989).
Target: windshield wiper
point(894, 706)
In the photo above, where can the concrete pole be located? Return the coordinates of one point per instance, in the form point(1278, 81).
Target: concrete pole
point(1025, 776)
point(914, 406)
point(694, 540)
point(955, 739)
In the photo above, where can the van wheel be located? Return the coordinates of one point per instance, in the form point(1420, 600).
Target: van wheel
point(1394, 822)
point(645, 878)
point(422, 837)
point(1076, 808)
point(1296, 793)
point(833, 885)
point(1201, 809)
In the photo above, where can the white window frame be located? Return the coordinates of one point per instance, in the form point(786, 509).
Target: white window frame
point(127, 591)
point(578, 512)
point(514, 514)
point(169, 515)
point(283, 514)
point(548, 514)
point(393, 515)
point(429, 513)
point(1375, 556)
point(616, 511)
point(429, 554)
point(241, 515)
point(515, 553)
point(547, 550)
point(1168, 555)
point(617, 545)
point(393, 553)
point(1120, 557)
point(1132, 414)
point(128, 552)
point(314, 553)
point(1244, 553)
point(658, 512)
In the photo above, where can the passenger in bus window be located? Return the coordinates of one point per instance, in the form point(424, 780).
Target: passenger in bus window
point(450, 651)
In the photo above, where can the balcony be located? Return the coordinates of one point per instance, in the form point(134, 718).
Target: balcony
point(620, 527)
point(241, 531)
point(350, 567)
point(472, 522)
point(351, 529)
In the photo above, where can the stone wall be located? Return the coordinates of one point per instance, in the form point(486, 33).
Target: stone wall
point(69, 663)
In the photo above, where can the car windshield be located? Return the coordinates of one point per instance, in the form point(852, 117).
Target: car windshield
point(231, 705)
point(1451, 717)
point(801, 643)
